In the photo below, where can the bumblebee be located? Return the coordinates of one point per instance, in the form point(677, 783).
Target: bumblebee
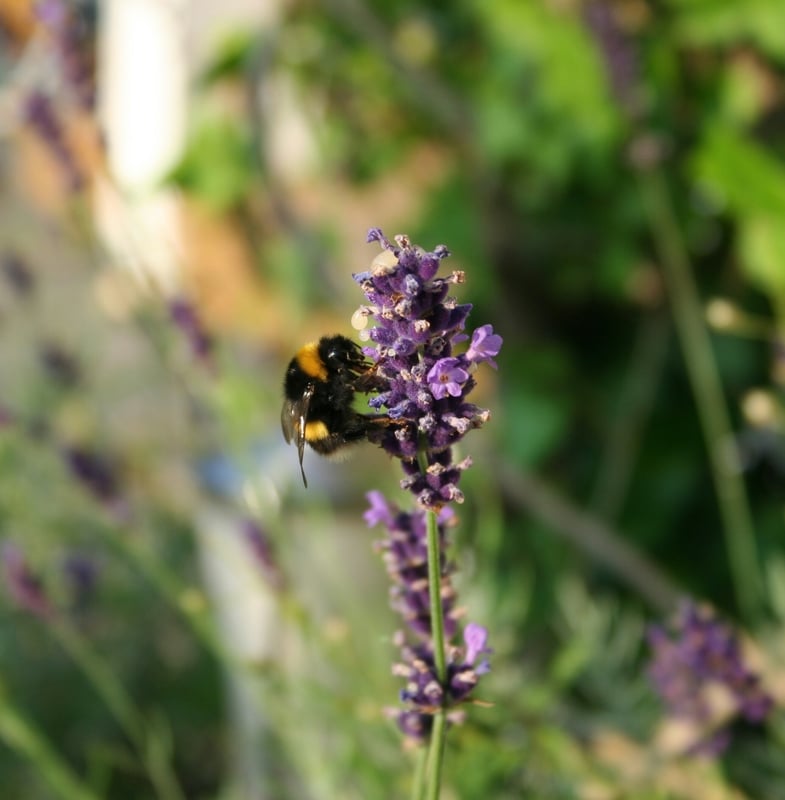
point(319, 389)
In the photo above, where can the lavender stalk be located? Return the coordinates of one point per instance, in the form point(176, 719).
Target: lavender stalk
point(415, 350)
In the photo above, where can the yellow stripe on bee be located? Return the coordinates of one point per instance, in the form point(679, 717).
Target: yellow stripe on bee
point(310, 363)
point(315, 431)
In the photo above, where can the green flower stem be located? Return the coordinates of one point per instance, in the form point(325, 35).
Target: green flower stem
point(435, 595)
point(707, 388)
point(420, 774)
point(21, 736)
point(436, 754)
point(439, 730)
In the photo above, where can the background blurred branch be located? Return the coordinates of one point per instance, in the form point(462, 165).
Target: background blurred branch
point(591, 536)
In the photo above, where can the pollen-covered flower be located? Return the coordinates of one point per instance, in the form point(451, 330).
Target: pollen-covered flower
point(413, 348)
point(697, 662)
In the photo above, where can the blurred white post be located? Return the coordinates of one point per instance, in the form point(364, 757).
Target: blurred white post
point(143, 94)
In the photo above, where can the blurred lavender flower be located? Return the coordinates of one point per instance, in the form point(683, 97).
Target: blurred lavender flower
point(7, 417)
point(72, 28)
point(40, 114)
point(618, 52)
point(698, 653)
point(61, 366)
point(23, 585)
point(406, 558)
point(17, 274)
point(99, 477)
point(261, 549)
point(417, 327)
point(81, 573)
point(186, 318)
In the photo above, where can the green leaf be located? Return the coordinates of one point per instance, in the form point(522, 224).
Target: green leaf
point(751, 183)
point(762, 250)
point(215, 166)
point(728, 22)
point(741, 174)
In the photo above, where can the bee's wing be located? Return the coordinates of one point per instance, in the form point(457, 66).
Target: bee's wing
point(289, 415)
point(294, 416)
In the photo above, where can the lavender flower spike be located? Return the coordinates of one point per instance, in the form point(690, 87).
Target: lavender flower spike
point(413, 348)
point(424, 381)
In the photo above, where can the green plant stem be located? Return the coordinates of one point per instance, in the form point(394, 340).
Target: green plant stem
point(439, 730)
point(707, 388)
point(436, 754)
point(435, 595)
point(420, 773)
point(19, 735)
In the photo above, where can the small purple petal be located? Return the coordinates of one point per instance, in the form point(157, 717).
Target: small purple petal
point(445, 377)
point(476, 639)
point(379, 510)
point(485, 344)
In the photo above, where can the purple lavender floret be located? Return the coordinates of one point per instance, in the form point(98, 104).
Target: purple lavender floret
point(697, 651)
point(423, 694)
point(427, 382)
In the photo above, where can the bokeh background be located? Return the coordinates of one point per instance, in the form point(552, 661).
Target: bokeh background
point(185, 191)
